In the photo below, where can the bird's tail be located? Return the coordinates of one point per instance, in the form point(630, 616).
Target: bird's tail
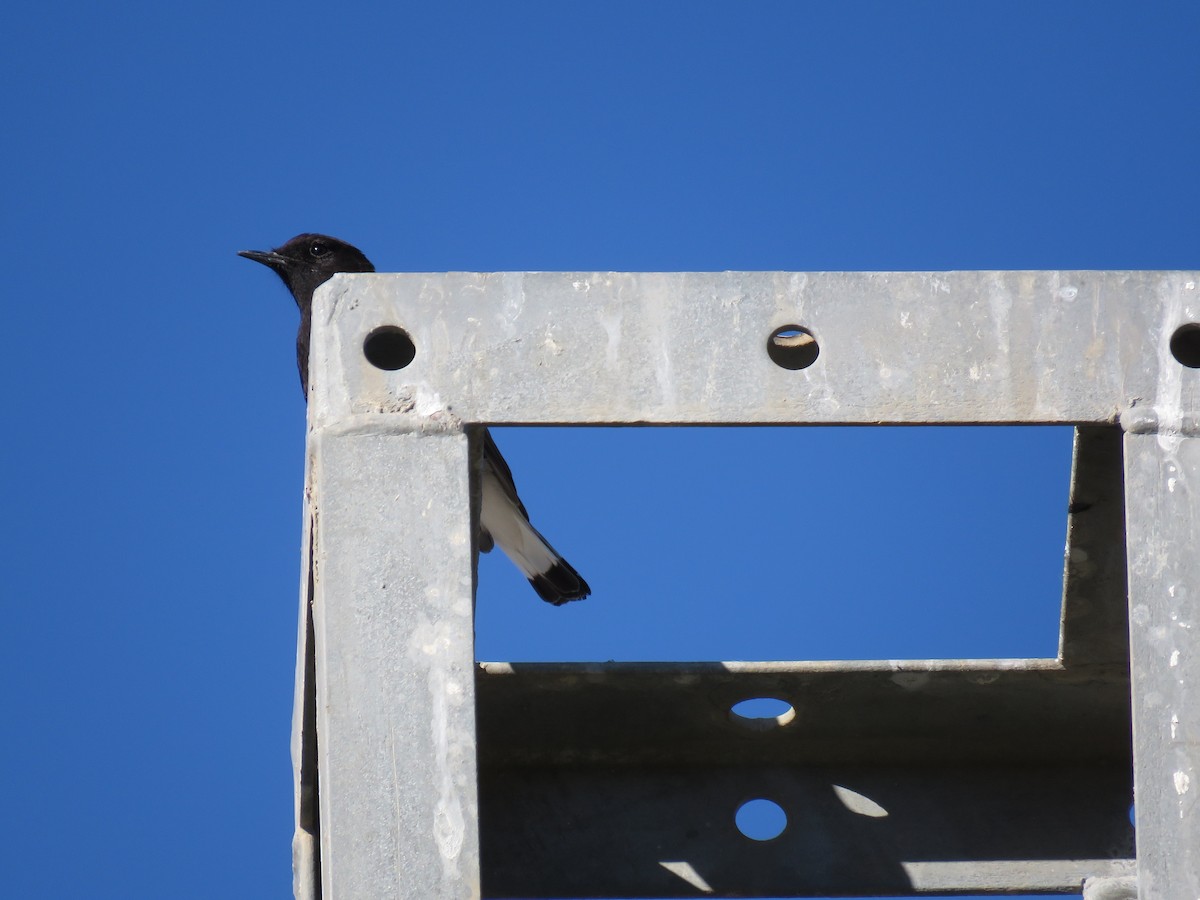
point(554, 579)
point(559, 583)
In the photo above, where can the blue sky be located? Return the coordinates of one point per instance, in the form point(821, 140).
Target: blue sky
point(153, 458)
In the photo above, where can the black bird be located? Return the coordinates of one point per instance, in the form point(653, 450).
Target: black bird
point(309, 260)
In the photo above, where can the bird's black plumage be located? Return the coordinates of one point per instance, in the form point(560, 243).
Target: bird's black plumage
point(309, 260)
point(305, 263)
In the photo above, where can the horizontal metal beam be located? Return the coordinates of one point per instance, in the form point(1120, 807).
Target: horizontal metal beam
point(609, 833)
point(691, 348)
point(886, 713)
point(622, 780)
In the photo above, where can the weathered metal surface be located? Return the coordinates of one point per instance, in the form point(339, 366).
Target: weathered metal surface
point(898, 347)
point(1163, 509)
point(920, 776)
point(1111, 888)
point(621, 780)
point(306, 851)
point(392, 616)
point(1093, 629)
point(615, 832)
point(914, 712)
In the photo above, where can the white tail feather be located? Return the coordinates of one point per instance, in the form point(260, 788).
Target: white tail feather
point(511, 531)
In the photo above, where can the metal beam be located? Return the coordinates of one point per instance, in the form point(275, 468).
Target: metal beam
point(1093, 630)
point(620, 781)
point(394, 656)
point(690, 348)
point(920, 776)
point(1163, 508)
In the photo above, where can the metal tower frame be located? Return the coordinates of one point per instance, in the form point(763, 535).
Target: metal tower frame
point(421, 773)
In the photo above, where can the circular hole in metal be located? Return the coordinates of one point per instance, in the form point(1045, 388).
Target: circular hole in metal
point(762, 713)
point(389, 347)
point(760, 820)
point(1185, 345)
point(792, 347)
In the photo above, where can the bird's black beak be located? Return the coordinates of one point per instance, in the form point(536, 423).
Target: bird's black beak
point(266, 257)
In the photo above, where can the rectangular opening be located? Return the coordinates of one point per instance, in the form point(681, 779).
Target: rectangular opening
point(787, 543)
point(807, 544)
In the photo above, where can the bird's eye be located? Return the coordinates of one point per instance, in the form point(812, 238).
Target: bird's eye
point(317, 249)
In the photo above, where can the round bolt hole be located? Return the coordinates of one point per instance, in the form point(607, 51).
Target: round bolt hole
point(762, 713)
point(1185, 345)
point(389, 348)
point(792, 347)
point(760, 820)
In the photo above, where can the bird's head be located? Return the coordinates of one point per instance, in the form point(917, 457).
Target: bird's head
point(308, 261)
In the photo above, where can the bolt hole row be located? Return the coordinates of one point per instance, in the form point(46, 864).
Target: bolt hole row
point(790, 347)
point(391, 348)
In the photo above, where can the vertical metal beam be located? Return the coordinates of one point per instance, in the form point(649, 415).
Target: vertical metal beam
point(393, 630)
point(1094, 631)
point(1162, 502)
point(306, 851)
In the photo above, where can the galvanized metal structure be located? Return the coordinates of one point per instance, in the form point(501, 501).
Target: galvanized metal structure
point(423, 774)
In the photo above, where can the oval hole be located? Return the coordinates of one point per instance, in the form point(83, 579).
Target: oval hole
point(762, 713)
point(792, 347)
point(389, 348)
point(760, 820)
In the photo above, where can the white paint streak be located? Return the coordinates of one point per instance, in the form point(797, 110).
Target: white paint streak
point(1168, 398)
point(1174, 658)
point(449, 827)
point(427, 403)
point(612, 329)
point(660, 334)
point(432, 640)
point(1183, 782)
point(1000, 304)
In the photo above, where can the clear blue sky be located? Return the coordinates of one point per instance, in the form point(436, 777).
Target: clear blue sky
point(153, 454)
